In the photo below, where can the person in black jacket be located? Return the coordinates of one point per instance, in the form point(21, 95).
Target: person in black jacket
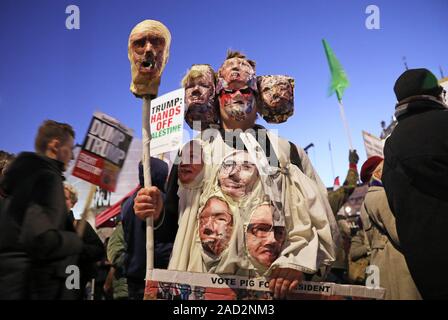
point(35, 244)
point(134, 228)
point(415, 177)
point(93, 250)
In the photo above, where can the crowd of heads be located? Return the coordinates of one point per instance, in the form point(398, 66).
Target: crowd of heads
point(235, 94)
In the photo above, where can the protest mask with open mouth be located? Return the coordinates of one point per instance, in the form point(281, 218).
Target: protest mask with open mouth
point(148, 51)
point(236, 88)
point(200, 102)
point(276, 98)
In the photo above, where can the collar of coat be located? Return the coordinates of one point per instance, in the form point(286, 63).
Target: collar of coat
point(417, 104)
point(25, 165)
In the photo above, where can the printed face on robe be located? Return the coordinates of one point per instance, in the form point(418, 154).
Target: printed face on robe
point(237, 175)
point(191, 163)
point(148, 50)
point(277, 98)
point(200, 99)
point(215, 226)
point(264, 241)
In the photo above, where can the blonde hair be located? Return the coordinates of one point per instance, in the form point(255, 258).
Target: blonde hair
point(196, 71)
point(73, 193)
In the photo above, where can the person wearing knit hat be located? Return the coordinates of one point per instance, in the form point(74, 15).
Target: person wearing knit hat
point(416, 89)
point(416, 82)
point(369, 167)
point(415, 178)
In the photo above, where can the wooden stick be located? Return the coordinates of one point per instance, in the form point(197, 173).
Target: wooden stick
point(85, 214)
point(146, 160)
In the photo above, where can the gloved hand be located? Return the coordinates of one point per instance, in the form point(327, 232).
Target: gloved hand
point(353, 157)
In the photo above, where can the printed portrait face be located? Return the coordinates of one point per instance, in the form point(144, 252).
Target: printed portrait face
point(109, 177)
point(68, 199)
point(215, 226)
point(237, 175)
point(264, 241)
point(200, 96)
point(236, 87)
point(148, 50)
point(191, 163)
point(378, 172)
point(277, 98)
point(237, 104)
point(236, 73)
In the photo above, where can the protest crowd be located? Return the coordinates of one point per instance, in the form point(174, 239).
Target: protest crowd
point(246, 204)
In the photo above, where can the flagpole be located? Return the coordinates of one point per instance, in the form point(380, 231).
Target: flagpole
point(344, 120)
point(331, 158)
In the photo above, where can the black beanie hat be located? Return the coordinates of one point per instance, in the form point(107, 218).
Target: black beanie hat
point(414, 82)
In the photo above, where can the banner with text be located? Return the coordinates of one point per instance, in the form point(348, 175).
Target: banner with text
point(103, 152)
point(166, 119)
point(374, 146)
point(176, 285)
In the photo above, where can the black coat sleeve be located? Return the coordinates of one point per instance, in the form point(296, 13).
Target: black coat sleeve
point(44, 232)
point(92, 248)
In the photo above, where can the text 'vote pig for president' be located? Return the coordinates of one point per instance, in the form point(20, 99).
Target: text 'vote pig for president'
point(103, 152)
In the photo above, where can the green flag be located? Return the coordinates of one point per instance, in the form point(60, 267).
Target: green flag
point(339, 79)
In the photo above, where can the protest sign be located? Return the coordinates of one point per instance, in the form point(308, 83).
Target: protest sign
point(374, 146)
point(103, 152)
point(167, 285)
point(166, 120)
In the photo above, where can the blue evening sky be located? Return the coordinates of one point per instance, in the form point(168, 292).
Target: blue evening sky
point(49, 72)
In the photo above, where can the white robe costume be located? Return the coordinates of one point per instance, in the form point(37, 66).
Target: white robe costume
point(300, 197)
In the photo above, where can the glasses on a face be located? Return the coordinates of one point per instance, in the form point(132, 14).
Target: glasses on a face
point(230, 165)
point(262, 230)
point(233, 91)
